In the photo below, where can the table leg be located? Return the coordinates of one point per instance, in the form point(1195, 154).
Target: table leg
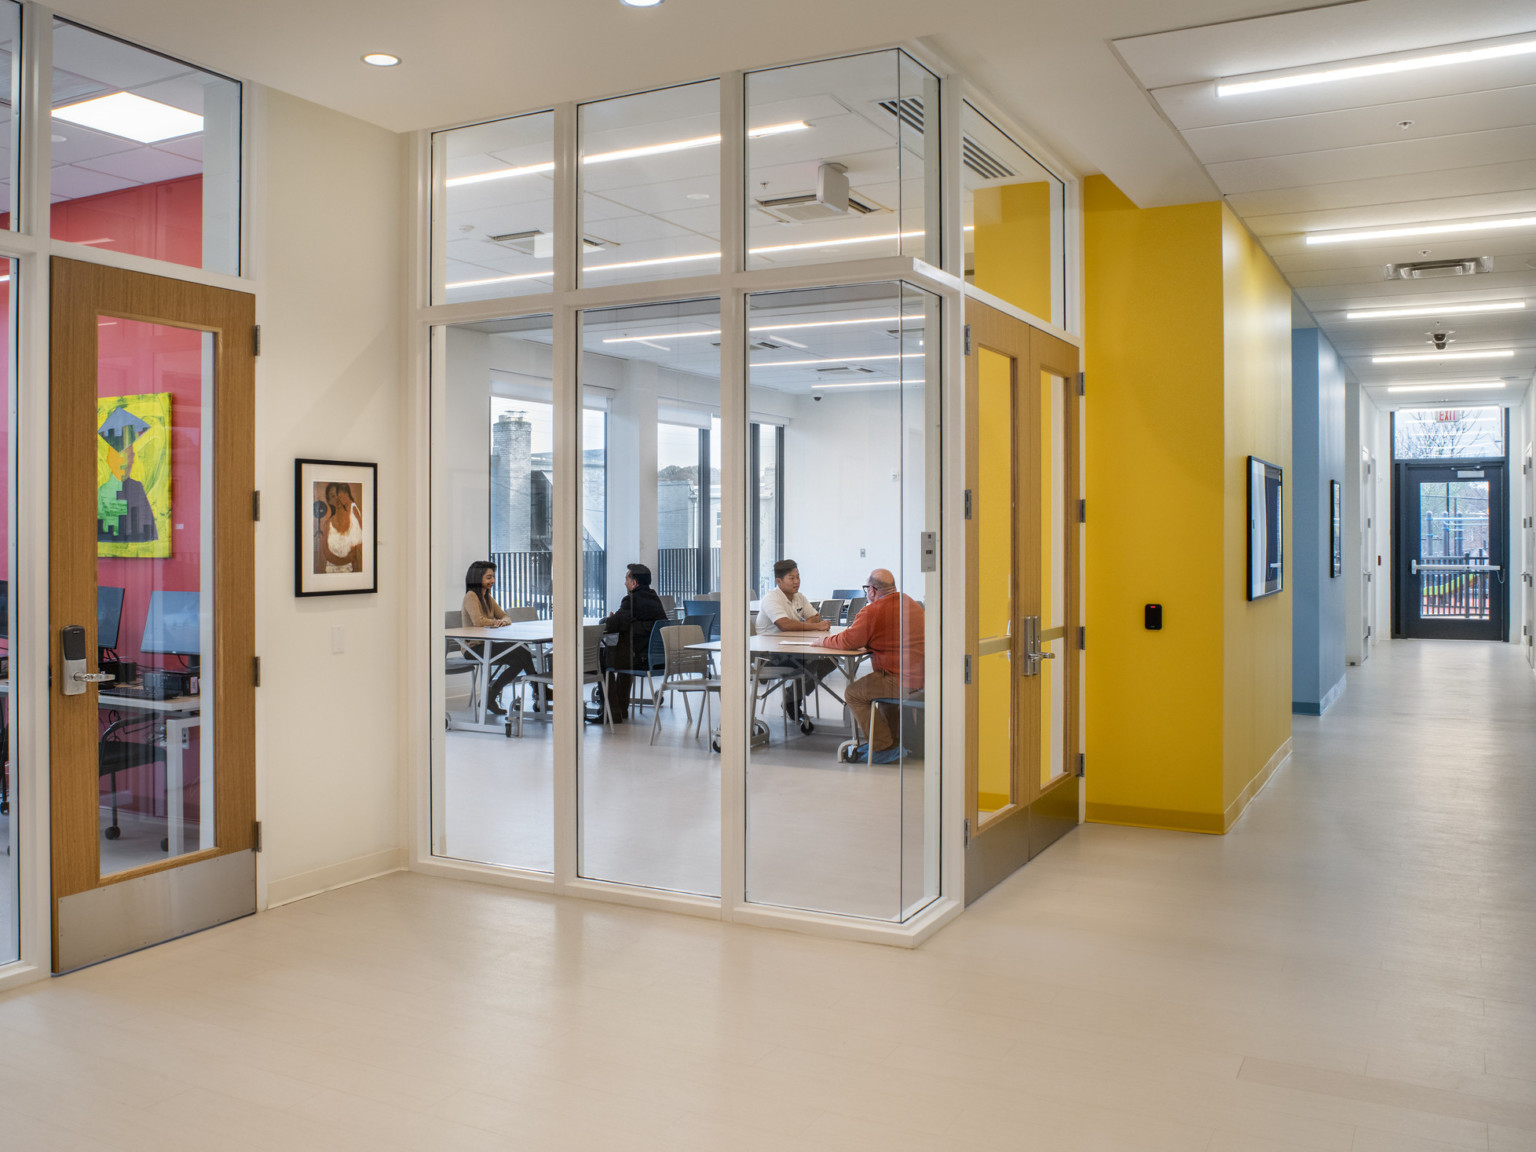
point(174, 728)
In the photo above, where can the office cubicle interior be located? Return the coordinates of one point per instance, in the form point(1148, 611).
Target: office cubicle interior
point(837, 461)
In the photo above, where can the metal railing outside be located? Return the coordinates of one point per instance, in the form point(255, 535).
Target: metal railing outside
point(677, 572)
point(1451, 589)
point(526, 580)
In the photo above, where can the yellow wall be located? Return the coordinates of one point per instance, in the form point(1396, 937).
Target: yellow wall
point(1188, 363)
point(1257, 640)
point(1011, 249)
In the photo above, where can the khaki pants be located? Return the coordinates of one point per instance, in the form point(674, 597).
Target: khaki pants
point(860, 693)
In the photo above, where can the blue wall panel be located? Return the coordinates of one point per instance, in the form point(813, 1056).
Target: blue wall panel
point(1317, 428)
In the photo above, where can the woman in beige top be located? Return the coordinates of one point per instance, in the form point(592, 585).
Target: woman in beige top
point(481, 611)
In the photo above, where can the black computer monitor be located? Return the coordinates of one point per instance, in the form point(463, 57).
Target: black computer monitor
point(109, 616)
point(172, 625)
point(5, 609)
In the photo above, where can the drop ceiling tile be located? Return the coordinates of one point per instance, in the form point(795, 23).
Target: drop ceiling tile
point(1404, 158)
point(1516, 175)
point(111, 63)
point(1355, 127)
point(144, 165)
point(85, 144)
point(1291, 253)
point(1401, 212)
point(71, 183)
point(189, 146)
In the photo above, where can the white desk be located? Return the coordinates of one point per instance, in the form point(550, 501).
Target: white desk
point(806, 645)
point(480, 645)
point(181, 714)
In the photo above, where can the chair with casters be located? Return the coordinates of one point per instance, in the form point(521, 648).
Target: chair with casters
point(909, 745)
point(684, 671)
point(129, 743)
point(457, 664)
point(591, 674)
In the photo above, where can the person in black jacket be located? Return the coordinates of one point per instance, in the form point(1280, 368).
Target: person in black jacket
point(637, 614)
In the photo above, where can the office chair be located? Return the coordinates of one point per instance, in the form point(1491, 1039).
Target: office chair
point(704, 608)
point(683, 671)
point(846, 593)
point(855, 606)
point(457, 664)
point(117, 753)
point(910, 729)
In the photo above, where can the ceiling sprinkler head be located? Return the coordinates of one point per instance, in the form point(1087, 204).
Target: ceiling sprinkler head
point(1404, 125)
point(1440, 340)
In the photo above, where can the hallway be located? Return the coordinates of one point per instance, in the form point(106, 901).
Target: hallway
point(1352, 968)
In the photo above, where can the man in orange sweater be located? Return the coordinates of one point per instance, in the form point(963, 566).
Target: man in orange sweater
point(891, 627)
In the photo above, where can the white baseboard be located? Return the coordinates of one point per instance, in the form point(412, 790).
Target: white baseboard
point(359, 868)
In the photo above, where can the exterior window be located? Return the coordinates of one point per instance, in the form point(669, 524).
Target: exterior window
point(494, 209)
point(146, 153)
point(842, 161)
point(1435, 433)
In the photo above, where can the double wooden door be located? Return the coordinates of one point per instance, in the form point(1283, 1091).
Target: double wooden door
point(1023, 595)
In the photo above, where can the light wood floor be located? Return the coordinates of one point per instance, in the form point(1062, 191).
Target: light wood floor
point(1352, 968)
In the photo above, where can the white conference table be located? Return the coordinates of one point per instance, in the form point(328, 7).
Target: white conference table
point(805, 645)
point(480, 645)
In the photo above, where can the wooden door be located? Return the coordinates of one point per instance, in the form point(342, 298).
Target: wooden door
point(151, 559)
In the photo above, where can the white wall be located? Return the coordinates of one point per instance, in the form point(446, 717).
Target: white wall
point(328, 224)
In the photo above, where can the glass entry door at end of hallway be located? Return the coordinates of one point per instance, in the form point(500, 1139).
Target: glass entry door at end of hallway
point(1451, 578)
point(1023, 559)
point(151, 614)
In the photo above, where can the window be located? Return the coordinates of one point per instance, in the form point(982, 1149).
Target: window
point(1435, 433)
point(146, 153)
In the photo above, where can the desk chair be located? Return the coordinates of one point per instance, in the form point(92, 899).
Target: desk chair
point(457, 664)
point(846, 593)
point(670, 604)
point(591, 673)
point(117, 752)
point(831, 610)
point(521, 615)
point(709, 608)
point(855, 606)
point(683, 671)
point(911, 731)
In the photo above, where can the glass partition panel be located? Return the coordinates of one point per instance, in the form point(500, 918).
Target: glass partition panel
point(843, 768)
point(1012, 212)
point(649, 776)
point(154, 590)
point(10, 940)
point(494, 792)
point(495, 209)
point(10, 37)
point(1449, 433)
point(995, 517)
point(650, 185)
point(842, 161)
point(1055, 524)
point(146, 152)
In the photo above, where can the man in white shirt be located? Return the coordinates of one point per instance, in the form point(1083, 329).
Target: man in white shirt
point(784, 609)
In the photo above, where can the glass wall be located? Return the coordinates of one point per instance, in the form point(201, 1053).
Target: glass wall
point(146, 152)
point(1448, 433)
point(842, 161)
point(650, 185)
point(494, 793)
point(842, 772)
point(10, 39)
point(649, 775)
point(9, 808)
point(495, 209)
point(1012, 212)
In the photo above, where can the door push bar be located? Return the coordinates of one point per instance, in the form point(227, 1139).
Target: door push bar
point(1417, 567)
point(1033, 653)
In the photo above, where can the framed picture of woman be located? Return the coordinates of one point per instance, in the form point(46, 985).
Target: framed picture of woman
point(335, 520)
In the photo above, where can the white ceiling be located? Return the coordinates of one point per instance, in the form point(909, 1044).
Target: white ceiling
point(1410, 148)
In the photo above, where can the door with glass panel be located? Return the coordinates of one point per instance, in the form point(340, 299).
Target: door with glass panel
point(151, 621)
point(1022, 594)
point(1453, 565)
point(1528, 575)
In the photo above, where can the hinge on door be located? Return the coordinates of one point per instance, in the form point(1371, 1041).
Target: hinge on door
point(256, 836)
point(967, 833)
point(256, 670)
point(1082, 383)
point(1082, 764)
point(967, 503)
point(256, 340)
point(967, 339)
point(967, 669)
point(1082, 639)
point(256, 505)
point(1082, 511)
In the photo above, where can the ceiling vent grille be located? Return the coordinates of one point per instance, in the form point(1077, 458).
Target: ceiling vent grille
point(1438, 269)
point(909, 110)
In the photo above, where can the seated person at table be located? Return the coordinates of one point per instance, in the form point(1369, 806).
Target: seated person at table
point(783, 609)
point(637, 614)
point(891, 627)
point(481, 611)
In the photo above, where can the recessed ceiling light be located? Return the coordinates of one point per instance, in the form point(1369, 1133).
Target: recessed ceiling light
point(1404, 62)
point(1437, 310)
point(57, 139)
point(1418, 357)
point(1475, 387)
point(641, 3)
point(1446, 228)
point(132, 117)
point(698, 195)
point(381, 59)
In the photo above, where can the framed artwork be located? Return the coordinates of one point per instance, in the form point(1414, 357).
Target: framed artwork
point(133, 475)
point(335, 518)
point(1265, 545)
point(1336, 539)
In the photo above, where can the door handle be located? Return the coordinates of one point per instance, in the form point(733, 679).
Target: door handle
point(1033, 653)
point(93, 677)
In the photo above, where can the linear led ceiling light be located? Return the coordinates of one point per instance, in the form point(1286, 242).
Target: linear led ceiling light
point(1403, 62)
point(1436, 310)
point(628, 153)
point(819, 387)
point(132, 117)
point(1422, 357)
point(1447, 228)
point(1446, 387)
point(834, 360)
point(770, 328)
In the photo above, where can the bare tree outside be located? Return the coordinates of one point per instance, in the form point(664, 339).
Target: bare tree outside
point(1441, 433)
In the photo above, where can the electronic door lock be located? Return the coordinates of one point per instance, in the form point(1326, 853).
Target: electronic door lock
point(76, 671)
